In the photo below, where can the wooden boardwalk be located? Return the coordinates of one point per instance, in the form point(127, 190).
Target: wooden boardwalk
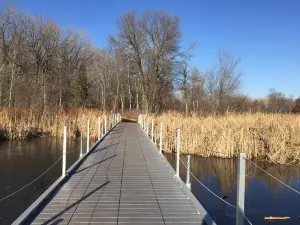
point(124, 180)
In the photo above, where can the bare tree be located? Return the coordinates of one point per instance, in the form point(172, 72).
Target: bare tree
point(152, 43)
point(223, 81)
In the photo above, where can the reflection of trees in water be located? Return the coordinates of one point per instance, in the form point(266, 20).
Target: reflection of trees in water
point(225, 172)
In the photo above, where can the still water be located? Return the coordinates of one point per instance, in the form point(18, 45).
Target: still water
point(264, 196)
point(22, 161)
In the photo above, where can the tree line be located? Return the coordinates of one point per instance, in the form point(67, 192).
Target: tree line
point(144, 67)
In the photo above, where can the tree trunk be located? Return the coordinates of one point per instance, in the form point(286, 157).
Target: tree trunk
point(186, 108)
point(10, 88)
point(12, 79)
point(117, 95)
point(137, 100)
point(129, 89)
point(60, 93)
point(122, 103)
point(1, 91)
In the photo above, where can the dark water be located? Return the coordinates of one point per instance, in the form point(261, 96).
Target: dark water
point(264, 195)
point(22, 161)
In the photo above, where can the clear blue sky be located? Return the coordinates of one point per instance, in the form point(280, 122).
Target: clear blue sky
point(264, 33)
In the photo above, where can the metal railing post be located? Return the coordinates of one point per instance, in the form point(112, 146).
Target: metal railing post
point(109, 121)
point(105, 125)
point(88, 136)
point(155, 137)
point(152, 131)
point(64, 152)
point(161, 137)
point(102, 127)
point(178, 152)
point(81, 144)
point(99, 128)
point(240, 199)
point(147, 131)
point(188, 169)
point(112, 120)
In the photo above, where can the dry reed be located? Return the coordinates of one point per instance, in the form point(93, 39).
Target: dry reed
point(273, 137)
point(22, 124)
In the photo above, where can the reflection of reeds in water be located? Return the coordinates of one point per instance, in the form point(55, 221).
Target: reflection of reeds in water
point(260, 136)
point(225, 171)
point(21, 124)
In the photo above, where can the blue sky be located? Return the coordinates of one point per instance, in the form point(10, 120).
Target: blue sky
point(265, 34)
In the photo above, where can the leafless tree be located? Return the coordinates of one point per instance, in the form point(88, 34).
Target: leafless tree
point(223, 81)
point(152, 44)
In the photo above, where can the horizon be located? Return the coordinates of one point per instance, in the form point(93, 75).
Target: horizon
point(263, 34)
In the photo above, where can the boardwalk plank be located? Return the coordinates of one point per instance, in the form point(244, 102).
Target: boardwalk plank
point(123, 181)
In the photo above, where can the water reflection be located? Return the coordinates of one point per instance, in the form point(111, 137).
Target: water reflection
point(21, 162)
point(264, 195)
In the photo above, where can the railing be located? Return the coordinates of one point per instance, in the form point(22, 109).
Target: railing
point(114, 119)
point(241, 170)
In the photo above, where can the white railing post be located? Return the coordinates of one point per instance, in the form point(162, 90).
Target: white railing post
point(155, 137)
point(178, 152)
point(188, 169)
point(161, 137)
point(99, 128)
point(240, 199)
point(147, 121)
point(102, 127)
point(152, 130)
point(88, 136)
point(105, 125)
point(81, 144)
point(109, 121)
point(64, 152)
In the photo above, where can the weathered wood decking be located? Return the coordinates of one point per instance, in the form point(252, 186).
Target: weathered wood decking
point(124, 180)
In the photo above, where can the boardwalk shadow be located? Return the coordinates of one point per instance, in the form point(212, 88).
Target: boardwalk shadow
point(53, 219)
point(113, 138)
point(56, 222)
point(116, 131)
point(106, 147)
point(97, 163)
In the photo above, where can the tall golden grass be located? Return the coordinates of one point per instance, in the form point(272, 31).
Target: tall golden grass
point(273, 137)
point(22, 123)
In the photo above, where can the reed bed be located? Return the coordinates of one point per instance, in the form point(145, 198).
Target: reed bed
point(272, 137)
point(22, 124)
